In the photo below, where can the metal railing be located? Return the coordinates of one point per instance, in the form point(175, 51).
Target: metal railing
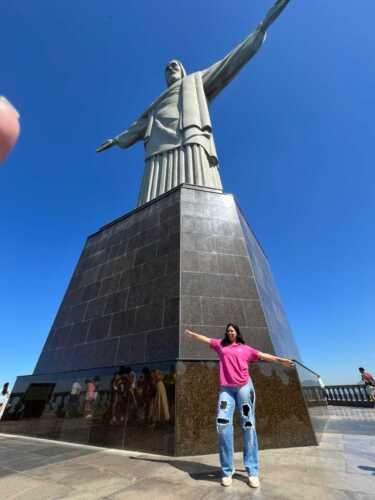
point(306, 367)
point(348, 395)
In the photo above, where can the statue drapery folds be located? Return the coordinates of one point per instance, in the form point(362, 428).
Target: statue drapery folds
point(176, 129)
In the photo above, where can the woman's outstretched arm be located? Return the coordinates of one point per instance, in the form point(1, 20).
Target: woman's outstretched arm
point(275, 359)
point(198, 336)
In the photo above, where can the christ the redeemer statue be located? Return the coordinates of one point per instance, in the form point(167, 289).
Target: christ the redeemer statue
point(176, 129)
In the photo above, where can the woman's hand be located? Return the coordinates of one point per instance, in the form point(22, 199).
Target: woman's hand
point(197, 336)
point(288, 363)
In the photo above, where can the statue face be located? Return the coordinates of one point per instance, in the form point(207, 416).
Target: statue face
point(173, 72)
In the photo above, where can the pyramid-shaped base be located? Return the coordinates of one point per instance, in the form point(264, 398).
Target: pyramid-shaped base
point(186, 259)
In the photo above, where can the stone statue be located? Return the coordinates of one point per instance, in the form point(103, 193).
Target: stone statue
point(176, 129)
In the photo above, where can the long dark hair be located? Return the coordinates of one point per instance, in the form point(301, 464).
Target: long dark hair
point(239, 339)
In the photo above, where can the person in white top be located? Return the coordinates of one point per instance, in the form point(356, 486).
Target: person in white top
point(4, 396)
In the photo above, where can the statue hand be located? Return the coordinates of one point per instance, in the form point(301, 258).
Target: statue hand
point(106, 145)
point(273, 14)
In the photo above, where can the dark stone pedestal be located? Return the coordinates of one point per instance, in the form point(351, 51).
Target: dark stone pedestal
point(186, 259)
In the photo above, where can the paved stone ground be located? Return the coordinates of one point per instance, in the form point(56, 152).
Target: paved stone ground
point(342, 467)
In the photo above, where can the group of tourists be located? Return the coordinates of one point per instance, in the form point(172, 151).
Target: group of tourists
point(145, 397)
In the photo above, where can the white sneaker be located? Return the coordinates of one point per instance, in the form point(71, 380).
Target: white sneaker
point(254, 481)
point(226, 481)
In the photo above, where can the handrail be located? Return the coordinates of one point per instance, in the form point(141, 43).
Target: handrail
point(305, 367)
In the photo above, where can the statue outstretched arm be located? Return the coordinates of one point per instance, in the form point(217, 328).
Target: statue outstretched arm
point(128, 137)
point(217, 76)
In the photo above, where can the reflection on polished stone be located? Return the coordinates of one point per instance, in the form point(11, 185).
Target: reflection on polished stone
point(168, 408)
point(128, 407)
point(315, 398)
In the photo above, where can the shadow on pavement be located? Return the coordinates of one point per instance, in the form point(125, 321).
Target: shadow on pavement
point(367, 468)
point(196, 470)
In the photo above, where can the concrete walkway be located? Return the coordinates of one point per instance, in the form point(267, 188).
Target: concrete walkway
point(342, 467)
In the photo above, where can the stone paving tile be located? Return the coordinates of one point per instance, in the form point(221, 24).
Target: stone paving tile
point(306, 478)
point(287, 490)
point(364, 465)
point(175, 466)
point(351, 413)
point(169, 490)
point(59, 472)
point(54, 450)
point(361, 442)
point(29, 462)
point(7, 457)
point(44, 491)
point(336, 464)
point(306, 453)
point(101, 483)
point(23, 445)
point(335, 446)
point(130, 464)
point(17, 486)
point(5, 472)
point(341, 468)
point(24, 461)
point(365, 428)
point(85, 496)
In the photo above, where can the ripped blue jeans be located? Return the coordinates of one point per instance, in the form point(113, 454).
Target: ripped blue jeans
point(243, 398)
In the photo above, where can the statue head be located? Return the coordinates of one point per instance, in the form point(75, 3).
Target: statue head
point(174, 71)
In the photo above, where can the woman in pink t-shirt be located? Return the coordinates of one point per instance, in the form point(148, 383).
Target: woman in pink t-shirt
point(236, 389)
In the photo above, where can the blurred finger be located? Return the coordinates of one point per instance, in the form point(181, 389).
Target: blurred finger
point(9, 127)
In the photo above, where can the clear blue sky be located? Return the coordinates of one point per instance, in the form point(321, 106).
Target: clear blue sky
point(295, 136)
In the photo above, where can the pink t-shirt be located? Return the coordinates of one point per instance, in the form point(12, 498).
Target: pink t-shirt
point(234, 362)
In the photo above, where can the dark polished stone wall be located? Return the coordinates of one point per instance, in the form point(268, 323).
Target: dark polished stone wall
point(283, 416)
point(169, 408)
point(185, 260)
point(278, 326)
point(122, 304)
point(222, 278)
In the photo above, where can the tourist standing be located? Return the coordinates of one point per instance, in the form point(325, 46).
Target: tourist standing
point(74, 400)
point(369, 381)
point(4, 396)
point(237, 390)
point(90, 397)
point(159, 408)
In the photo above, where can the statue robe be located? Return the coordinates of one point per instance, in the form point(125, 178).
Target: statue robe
point(177, 131)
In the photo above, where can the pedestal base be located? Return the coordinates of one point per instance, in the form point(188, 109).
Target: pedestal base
point(175, 414)
point(188, 259)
